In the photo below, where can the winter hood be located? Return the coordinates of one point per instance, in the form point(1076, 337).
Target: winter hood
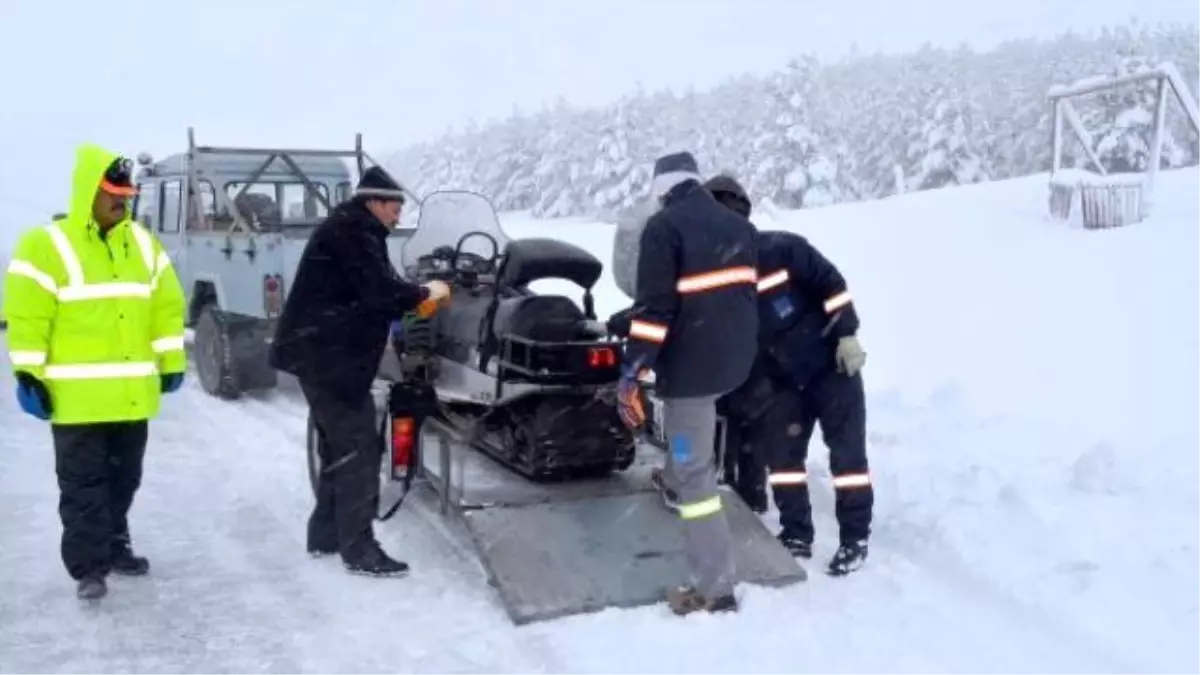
point(91, 161)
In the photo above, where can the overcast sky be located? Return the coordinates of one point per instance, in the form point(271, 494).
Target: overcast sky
point(134, 74)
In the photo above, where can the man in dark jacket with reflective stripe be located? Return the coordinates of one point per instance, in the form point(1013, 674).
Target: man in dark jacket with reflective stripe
point(331, 336)
point(693, 323)
point(811, 373)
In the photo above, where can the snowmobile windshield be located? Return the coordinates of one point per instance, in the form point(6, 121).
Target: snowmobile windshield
point(452, 220)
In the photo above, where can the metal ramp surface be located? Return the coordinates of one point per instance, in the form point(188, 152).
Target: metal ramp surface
point(556, 549)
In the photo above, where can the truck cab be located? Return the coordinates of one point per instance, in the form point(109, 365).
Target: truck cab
point(235, 222)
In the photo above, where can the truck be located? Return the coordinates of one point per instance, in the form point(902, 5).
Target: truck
point(235, 221)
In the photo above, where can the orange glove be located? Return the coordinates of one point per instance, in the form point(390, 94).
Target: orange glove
point(439, 293)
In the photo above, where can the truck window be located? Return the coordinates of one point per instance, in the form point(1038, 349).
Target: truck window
point(168, 220)
point(277, 201)
point(145, 205)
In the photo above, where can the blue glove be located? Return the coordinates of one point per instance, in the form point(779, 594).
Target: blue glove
point(396, 329)
point(33, 396)
point(171, 382)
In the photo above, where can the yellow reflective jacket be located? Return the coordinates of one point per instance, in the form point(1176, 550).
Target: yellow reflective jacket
point(97, 318)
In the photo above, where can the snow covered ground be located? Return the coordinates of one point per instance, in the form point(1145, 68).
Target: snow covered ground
point(1033, 427)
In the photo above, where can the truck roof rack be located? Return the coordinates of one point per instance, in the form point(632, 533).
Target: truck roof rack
point(196, 154)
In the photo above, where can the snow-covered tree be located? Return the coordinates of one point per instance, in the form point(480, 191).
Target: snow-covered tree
point(815, 133)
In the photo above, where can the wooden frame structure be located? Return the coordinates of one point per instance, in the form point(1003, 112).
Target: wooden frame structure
point(1140, 190)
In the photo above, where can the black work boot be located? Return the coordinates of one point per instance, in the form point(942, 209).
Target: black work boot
point(798, 545)
point(849, 558)
point(91, 587)
point(125, 563)
point(373, 562)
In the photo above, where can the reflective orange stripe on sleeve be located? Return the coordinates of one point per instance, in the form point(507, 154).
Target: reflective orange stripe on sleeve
point(772, 280)
point(650, 332)
point(837, 301)
point(707, 281)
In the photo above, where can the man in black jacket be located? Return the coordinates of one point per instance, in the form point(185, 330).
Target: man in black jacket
point(694, 323)
point(810, 372)
point(809, 329)
point(331, 336)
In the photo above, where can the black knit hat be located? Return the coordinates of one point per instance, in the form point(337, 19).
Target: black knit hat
point(671, 170)
point(730, 193)
point(377, 184)
point(679, 162)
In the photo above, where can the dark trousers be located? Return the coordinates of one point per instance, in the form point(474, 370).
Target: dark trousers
point(348, 487)
point(838, 403)
point(99, 469)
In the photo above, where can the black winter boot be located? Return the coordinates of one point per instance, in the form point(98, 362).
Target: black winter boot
point(798, 546)
point(850, 557)
point(125, 563)
point(375, 563)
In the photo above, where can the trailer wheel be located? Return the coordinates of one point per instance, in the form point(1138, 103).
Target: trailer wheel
point(214, 355)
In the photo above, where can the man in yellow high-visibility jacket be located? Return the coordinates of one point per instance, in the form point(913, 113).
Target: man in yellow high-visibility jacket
point(95, 335)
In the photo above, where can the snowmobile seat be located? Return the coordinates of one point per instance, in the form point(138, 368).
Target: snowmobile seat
point(528, 260)
point(541, 318)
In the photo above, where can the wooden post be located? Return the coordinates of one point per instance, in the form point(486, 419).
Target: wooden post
point(1056, 138)
point(1156, 142)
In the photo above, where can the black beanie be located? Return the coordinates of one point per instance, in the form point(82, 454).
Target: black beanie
point(730, 193)
point(377, 184)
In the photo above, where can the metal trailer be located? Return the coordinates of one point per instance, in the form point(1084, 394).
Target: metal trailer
point(556, 549)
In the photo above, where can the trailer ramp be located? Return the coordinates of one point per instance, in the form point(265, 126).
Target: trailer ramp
point(557, 549)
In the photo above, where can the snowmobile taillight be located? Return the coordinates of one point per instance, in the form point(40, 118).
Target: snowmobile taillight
point(403, 439)
point(602, 357)
point(273, 295)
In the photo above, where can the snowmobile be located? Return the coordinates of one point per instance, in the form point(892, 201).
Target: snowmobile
point(531, 376)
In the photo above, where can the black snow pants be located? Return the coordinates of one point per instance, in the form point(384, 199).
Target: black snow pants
point(348, 487)
point(838, 403)
point(99, 469)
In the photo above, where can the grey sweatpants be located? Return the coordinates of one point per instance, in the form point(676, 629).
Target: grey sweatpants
point(691, 472)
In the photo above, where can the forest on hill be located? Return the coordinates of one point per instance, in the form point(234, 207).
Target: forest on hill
point(813, 133)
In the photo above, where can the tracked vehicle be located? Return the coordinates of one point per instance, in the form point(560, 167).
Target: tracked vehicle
point(531, 376)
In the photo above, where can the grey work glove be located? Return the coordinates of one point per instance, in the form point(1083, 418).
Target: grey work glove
point(850, 356)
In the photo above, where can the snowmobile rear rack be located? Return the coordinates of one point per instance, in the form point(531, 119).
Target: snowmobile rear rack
point(557, 549)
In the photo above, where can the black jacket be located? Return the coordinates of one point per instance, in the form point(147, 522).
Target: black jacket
point(804, 306)
point(695, 318)
point(335, 321)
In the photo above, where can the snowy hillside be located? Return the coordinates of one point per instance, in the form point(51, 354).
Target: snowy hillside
point(1032, 419)
point(816, 133)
